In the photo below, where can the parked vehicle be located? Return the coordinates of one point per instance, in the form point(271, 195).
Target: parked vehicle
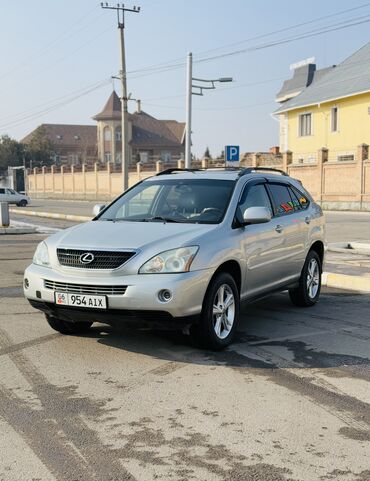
point(13, 197)
point(183, 249)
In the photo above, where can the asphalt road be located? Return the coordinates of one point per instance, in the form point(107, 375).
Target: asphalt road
point(341, 226)
point(288, 401)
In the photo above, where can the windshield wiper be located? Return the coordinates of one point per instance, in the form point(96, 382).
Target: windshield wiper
point(158, 217)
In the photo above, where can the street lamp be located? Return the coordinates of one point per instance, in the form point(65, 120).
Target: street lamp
point(209, 85)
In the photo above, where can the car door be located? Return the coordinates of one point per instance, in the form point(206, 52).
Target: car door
point(291, 226)
point(259, 243)
point(11, 196)
point(2, 195)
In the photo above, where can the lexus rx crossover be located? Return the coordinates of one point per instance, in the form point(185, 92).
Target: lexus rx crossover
point(183, 249)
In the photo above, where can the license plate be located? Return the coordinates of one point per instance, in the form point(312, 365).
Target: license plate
point(80, 300)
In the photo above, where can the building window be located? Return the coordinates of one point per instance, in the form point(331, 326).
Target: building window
point(166, 156)
point(107, 156)
point(118, 134)
point(334, 119)
point(305, 125)
point(118, 158)
point(107, 134)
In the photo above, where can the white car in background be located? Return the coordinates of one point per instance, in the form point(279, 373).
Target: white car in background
point(13, 197)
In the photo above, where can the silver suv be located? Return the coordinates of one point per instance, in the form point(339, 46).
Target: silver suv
point(182, 249)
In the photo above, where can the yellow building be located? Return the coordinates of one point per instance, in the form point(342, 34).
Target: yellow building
point(327, 108)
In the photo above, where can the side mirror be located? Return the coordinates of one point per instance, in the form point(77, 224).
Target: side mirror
point(256, 215)
point(97, 209)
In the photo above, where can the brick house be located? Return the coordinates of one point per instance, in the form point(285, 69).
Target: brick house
point(149, 138)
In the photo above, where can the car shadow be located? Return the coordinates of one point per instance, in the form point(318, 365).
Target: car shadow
point(272, 334)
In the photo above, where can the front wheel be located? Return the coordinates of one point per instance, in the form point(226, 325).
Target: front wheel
point(68, 328)
point(220, 313)
point(308, 291)
point(22, 203)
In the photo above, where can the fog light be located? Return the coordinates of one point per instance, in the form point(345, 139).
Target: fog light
point(164, 295)
point(26, 284)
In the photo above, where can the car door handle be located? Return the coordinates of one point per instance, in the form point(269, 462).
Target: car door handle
point(279, 228)
point(307, 220)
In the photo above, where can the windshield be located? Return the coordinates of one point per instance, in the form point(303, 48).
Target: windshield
point(187, 200)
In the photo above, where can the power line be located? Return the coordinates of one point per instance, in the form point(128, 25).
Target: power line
point(33, 116)
point(291, 27)
point(169, 65)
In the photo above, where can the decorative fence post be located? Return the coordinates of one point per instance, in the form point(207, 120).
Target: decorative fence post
point(73, 180)
point(109, 178)
point(322, 157)
point(138, 170)
point(362, 155)
point(287, 160)
point(159, 166)
point(255, 159)
point(96, 179)
point(181, 164)
point(43, 181)
point(84, 179)
point(52, 179)
point(205, 163)
point(62, 175)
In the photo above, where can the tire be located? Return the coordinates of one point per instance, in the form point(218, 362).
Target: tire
point(216, 331)
point(68, 328)
point(308, 291)
point(22, 203)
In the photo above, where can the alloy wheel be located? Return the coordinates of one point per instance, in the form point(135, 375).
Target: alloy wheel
point(223, 311)
point(313, 278)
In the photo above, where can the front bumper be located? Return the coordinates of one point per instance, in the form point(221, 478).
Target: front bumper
point(188, 290)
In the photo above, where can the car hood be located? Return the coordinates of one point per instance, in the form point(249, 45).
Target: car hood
point(97, 235)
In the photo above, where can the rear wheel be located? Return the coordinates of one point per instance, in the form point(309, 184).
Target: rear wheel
point(308, 291)
point(22, 203)
point(69, 328)
point(220, 314)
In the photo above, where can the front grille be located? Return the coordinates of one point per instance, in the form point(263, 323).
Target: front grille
point(101, 259)
point(85, 288)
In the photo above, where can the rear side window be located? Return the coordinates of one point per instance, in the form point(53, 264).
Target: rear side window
point(302, 199)
point(2, 191)
point(283, 203)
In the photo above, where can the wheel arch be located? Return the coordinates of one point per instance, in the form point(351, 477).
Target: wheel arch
point(318, 247)
point(231, 267)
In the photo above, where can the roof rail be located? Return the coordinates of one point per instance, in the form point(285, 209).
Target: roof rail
point(250, 170)
point(170, 171)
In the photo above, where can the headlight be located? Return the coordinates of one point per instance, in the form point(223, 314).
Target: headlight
point(41, 257)
point(175, 260)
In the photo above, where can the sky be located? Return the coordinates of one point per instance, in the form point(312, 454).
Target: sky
point(58, 57)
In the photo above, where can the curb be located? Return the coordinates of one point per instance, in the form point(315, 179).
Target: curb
point(17, 230)
point(343, 281)
point(51, 215)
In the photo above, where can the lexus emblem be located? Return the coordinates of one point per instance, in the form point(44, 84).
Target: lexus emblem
point(87, 258)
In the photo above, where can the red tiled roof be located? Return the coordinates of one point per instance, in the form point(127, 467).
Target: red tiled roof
point(66, 134)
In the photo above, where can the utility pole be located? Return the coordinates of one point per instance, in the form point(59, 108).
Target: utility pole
point(209, 85)
point(120, 9)
point(189, 87)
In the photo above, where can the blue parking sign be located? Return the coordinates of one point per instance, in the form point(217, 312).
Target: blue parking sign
point(232, 154)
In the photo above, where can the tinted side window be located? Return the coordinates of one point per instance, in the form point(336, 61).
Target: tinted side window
point(283, 203)
point(2, 191)
point(255, 196)
point(302, 199)
point(295, 202)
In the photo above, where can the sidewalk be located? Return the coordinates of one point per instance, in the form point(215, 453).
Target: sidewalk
point(347, 271)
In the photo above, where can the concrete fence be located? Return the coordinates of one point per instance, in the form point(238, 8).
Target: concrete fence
point(343, 185)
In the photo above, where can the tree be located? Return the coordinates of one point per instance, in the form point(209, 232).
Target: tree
point(207, 154)
point(11, 152)
point(40, 149)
